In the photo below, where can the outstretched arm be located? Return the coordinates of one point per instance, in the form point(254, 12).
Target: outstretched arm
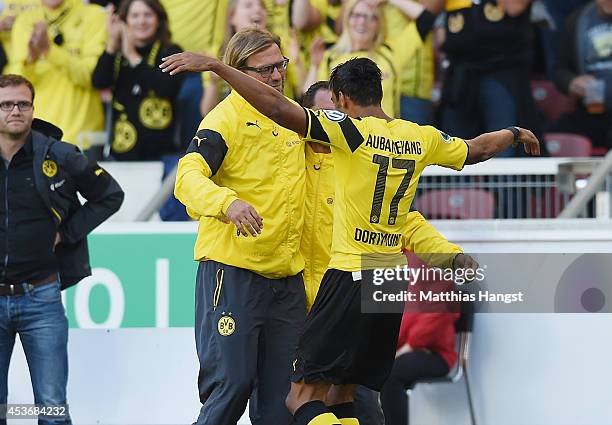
point(264, 98)
point(487, 145)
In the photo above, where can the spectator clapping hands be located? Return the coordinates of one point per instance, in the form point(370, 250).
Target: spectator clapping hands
point(6, 23)
point(39, 42)
point(113, 26)
point(121, 37)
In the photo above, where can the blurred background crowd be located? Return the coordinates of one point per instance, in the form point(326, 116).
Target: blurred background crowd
point(487, 64)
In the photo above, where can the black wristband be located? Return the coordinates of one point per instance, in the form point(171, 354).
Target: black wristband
point(515, 131)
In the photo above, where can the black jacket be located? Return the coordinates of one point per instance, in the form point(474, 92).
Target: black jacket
point(143, 113)
point(60, 171)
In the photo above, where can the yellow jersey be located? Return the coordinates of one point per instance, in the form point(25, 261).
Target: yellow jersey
point(420, 237)
point(62, 79)
point(417, 73)
point(197, 25)
point(377, 168)
point(390, 58)
point(240, 153)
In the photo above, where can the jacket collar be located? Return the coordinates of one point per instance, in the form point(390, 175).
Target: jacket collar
point(47, 129)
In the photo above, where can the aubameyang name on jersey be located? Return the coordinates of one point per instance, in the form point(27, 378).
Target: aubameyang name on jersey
point(398, 147)
point(377, 238)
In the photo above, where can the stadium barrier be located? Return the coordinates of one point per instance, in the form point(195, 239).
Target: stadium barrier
point(499, 188)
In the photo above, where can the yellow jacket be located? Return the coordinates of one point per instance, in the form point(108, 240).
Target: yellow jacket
point(239, 153)
point(15, 8)
point(421, 238)
point(62, 79)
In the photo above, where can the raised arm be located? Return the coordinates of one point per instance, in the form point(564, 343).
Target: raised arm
point(304, 16)
point(487, 145)
point(262, 97)
point(411, 9)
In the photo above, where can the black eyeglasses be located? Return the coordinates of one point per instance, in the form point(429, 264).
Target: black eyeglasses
point(23, 106)
point(267, 70)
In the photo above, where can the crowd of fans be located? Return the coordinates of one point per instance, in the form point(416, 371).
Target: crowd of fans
point(95, 66)
point(482, 54)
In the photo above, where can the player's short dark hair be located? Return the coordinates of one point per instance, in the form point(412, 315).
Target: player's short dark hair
point(360, 79)
point(13, 80)
point(309, 97)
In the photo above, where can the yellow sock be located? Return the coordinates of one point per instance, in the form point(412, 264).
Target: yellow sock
point(349, 421)
point(327, 419)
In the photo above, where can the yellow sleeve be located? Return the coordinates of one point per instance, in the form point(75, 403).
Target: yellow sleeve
point(427, 243)
point(323, 71)
point(442, 149)
point(334, 128)
point(405, 44)
point(80, 67)
point(219, 27)
point(20, 36)
point(205, 154)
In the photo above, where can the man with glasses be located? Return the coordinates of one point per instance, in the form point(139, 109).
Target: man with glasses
point(243, 180)
point(43, 242)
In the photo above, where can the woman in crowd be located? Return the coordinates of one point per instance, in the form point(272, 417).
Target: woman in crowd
point(143, 112)
point(364, 35)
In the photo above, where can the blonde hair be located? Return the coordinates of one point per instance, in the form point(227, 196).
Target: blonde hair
point(230, 30)
point(245, 44)
point(344, 43)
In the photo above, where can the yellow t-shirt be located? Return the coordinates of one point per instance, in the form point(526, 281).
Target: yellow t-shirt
point(197, 25)
point(390, 58)
point(62, 79)
point(417, 74)
point(377, 169)
point(240, 153)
